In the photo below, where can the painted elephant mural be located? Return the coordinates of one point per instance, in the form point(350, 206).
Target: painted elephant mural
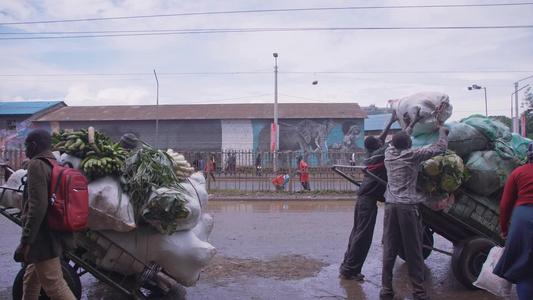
point(308, 135)
point(340, 152)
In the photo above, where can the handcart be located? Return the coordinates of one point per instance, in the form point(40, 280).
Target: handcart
point(280, 181)
point(145, 281)
point(470, 224)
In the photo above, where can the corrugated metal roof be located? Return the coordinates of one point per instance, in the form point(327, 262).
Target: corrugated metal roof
point(378, 122)
point(25, 108)
point(205, 111)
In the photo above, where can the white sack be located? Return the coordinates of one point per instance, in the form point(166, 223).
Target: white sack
point(76, 161)
point(204, 227)
point(106, 211)
point(429, 104)
point(13, 198)
point(181, 254)
point(490, 281)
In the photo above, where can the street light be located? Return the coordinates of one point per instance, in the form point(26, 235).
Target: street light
point(276, 145)
point(477, 87)
point(515, 119)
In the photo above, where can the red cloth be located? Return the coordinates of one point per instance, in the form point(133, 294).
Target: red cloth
point(304, 175)
point(210, 165)
point(518, 191)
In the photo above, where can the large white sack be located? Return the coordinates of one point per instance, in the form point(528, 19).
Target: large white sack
point(194, 203)
point(12, 198)
point(183, 255)
point(106, 210)
point(435, 109)
point(76, 161)
point(204, 227)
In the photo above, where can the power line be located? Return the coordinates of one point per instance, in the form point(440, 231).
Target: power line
point(269, 11)
point(269, 72)
point(248, 30)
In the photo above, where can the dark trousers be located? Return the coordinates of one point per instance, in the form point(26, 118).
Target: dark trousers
point(403, 228)
point(364, 221)
point(305, 185)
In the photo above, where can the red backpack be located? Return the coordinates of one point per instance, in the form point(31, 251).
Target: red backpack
point(68, 209)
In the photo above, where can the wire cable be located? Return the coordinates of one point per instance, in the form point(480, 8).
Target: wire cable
point(268, 11)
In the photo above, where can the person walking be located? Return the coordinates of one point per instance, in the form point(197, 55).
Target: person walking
point(366, 209)
point(304, 173)
point(258, 164)
point(403, 221)
point(516, 208)
point(40, 247)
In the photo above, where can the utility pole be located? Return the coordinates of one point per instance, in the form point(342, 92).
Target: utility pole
point(157, 114)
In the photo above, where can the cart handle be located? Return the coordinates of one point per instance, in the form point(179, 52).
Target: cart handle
point(362, 168)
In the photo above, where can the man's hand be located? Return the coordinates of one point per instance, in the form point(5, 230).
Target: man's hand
point(444, 131)
point(504, 235)
point(21, 254)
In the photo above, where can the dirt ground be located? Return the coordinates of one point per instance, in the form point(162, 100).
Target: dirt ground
point(287, 267)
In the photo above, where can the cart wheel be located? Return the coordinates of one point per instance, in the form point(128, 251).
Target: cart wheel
point(69, 274)
point(468, 258)
point(428, 241)
point(176, 292)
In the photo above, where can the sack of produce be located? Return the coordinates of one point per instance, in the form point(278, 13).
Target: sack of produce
point(183, 255)
point(463, 139)
point(164, 209)
point(109, 208)
point(442, 174)
point(491, 129)
point(204, 227)
point(488, 170)
point(519, 144)
point(12, 198)
point(435, 108)
point(75, 161)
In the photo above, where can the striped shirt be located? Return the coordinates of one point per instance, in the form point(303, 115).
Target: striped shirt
point(402, 170)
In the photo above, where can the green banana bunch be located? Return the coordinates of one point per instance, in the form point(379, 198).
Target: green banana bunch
point(108, 162)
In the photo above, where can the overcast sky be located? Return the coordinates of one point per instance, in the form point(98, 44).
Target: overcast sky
point(203, 52)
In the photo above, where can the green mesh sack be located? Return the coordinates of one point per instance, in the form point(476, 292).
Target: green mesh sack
point(463, 139)
point(491, 129)
point(519, 144)
point(489, 170)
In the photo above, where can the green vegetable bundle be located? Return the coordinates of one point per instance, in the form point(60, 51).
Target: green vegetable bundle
point(144, 172)
point(442, 174)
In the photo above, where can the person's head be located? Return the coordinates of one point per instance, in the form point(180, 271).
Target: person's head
point(401, 140)
point(372, 143)
point(128, 141)
point(299, 158)
point(530, 152)
point(37, 141)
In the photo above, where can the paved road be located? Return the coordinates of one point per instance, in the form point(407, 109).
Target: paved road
point(264, 230)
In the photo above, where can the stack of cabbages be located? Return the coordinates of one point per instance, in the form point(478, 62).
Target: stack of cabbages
point(167, 226)
point(481, 154)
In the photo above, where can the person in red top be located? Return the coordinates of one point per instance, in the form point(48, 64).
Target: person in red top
point(304, 173)
point(516, 209)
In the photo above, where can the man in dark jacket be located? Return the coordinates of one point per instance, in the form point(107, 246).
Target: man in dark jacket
point(40, 247)
point(366, 209)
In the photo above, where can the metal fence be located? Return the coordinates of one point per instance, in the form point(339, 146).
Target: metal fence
point(244, 173)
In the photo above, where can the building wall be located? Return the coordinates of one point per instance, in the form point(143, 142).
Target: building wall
point(331, 135)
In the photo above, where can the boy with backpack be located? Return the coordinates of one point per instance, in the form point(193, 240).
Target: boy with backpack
point(40, 247)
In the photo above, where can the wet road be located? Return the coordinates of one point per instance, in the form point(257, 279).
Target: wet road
point(264, 230)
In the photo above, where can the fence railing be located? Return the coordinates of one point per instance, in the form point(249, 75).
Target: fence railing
point(238, 170)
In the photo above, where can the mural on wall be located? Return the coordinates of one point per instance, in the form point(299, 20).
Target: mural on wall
point(340, 152)
point(315, 136)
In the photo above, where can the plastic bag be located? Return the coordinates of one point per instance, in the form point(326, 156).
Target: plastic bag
point(11, 198)
point(488, 280)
